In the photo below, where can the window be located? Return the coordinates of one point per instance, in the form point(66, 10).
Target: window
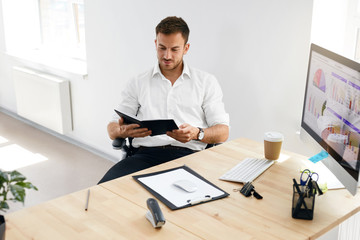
point(62, 27)
point(356, 23)
point(357, 47)
point(47, 28)
point(335, 26)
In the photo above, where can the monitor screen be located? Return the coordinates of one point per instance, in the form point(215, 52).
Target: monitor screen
point(331, 112)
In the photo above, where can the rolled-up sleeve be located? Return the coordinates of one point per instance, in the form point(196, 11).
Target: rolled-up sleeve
point(128, 100)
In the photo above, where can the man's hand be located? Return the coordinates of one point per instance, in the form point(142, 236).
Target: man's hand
point(132, 130)
point(185, 133)
point(122, 130)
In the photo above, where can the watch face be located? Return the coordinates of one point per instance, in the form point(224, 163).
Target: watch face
point(201, 134)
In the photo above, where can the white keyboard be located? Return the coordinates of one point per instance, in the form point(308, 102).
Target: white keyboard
point(247, 170)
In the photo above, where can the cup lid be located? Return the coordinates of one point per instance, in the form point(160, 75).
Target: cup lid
point(273, 137)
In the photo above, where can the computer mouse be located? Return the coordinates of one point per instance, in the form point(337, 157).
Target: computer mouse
point(186, 185)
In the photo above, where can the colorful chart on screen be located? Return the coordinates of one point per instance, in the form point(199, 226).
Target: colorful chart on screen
point(338, 92)
point(319, 80)
point(314, 106)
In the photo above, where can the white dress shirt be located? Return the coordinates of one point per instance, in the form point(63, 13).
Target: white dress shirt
point(195, 98)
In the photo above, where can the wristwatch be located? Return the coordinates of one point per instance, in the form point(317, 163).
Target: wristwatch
point(201, 134)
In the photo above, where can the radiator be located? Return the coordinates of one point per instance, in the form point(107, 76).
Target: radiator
point(43, 99)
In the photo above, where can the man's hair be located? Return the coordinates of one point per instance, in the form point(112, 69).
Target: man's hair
point(171, 25)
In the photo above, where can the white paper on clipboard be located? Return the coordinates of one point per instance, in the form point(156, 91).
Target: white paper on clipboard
point(163, 184)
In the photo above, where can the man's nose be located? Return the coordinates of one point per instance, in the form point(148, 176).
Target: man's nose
point(168, 54)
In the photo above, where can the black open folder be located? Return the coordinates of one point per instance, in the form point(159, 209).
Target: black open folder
point(160, 184)
point(158, 127)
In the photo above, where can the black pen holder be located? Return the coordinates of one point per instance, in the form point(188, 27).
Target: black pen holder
point(302, 203)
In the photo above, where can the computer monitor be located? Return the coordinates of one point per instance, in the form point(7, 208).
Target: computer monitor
point(331, 112)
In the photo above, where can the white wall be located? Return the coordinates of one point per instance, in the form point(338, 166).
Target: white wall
point(257, 49)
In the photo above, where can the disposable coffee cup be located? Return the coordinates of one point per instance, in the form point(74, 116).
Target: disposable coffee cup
point(272, 145)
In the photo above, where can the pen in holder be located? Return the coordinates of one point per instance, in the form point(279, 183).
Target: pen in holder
point(303, 202)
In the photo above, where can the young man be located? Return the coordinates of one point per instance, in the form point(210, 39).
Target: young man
point(171, 90)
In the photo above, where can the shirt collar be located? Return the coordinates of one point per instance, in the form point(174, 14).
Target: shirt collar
point(186, 70)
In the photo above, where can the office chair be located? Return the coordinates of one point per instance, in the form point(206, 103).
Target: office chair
point(120, 144)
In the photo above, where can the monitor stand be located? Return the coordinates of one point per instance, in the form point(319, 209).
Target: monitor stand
point(330, 179)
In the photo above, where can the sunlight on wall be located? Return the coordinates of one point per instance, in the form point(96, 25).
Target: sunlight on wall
point(3, 140)
point(14, 157)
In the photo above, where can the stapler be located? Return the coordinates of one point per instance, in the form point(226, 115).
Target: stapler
point(154, 215)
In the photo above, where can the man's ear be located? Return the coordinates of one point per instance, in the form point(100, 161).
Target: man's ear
point(186, 49)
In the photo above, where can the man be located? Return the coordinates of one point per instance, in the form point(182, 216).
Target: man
point(171, 90)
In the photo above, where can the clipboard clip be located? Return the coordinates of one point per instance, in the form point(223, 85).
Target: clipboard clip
point(154, 215)
point(199, 200)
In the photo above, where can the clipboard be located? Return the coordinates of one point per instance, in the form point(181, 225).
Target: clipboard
point(158, 127)
point(160, 184)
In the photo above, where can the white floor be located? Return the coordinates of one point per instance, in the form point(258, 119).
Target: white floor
point(54, 166)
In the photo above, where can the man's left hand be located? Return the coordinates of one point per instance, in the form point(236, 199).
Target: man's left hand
point(185, 133)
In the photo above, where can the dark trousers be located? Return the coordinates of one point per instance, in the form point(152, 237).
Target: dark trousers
point(143, 158)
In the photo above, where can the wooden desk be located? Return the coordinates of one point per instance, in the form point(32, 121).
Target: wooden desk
point(117, 208)
point(109, 217)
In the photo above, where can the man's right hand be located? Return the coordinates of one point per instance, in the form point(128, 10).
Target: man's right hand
point(132, 130)
point(121, 130)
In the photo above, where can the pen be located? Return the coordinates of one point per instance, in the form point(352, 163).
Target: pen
point(296, 186)
point(301, 200)
point(87, 200)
